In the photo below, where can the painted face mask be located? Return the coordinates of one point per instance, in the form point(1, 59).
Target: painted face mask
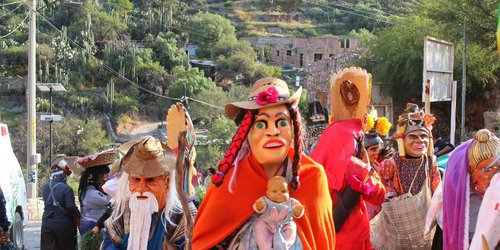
point(481, 177)
point(416, 143)
point(271, 135)
point(158, 186)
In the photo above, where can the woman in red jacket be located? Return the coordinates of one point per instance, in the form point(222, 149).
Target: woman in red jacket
point(269, 124)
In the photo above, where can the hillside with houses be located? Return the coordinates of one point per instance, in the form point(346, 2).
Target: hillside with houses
point(124, 62)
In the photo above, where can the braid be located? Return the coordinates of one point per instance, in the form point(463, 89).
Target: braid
point(297, 135)
point(234, 148)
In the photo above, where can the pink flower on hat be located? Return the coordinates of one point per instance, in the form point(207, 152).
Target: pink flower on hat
point(267, 96)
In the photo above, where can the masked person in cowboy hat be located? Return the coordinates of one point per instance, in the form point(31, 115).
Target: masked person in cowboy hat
point(147, 213)
point(93, 200)
point(466, 205)
point(60, 214)
point(411, 176)
point(351, 182)
point(267, 144)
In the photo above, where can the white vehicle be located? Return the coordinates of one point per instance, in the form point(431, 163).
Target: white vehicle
point(12, 183)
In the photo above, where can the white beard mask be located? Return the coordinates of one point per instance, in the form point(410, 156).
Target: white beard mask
point(140, 220)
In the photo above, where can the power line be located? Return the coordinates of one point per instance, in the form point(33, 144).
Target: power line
point(7, 4)
point(22, 22)
point(202, 102)
point(353, 13)
point(21, 4)
point(353, 7)
point(108, 67)
point(123, 77)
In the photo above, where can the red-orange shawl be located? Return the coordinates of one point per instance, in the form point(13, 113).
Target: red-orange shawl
point(222, 212)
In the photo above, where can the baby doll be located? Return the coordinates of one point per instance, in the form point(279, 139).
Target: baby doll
point(275, 228)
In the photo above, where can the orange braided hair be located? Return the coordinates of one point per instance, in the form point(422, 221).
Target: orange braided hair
point(297, 135)
point(234, 148)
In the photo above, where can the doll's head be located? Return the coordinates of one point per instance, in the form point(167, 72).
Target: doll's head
point(277, 189)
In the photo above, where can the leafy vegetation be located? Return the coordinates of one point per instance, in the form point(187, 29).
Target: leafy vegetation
point(396, 53)
point(119, 57)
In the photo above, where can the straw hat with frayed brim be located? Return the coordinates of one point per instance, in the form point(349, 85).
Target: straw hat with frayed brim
point(266, 92)
point(149, 158)
point(103, 158)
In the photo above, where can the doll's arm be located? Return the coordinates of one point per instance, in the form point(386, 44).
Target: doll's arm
point(259, 206)
point(298, 209)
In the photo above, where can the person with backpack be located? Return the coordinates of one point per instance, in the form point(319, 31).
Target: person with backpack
point(60, 216)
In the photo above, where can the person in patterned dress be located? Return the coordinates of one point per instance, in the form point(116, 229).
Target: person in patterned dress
point(414, 139)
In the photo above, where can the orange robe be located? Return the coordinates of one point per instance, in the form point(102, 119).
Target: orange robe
point(221, 212)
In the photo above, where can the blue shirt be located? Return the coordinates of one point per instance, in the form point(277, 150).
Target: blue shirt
point(55, 218)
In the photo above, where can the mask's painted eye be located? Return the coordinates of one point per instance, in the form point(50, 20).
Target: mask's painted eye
point(282, 123)
point(260, 125)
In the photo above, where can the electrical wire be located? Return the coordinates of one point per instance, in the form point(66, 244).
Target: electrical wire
point(353, 7)
point(21, 4)
point(202, 102)
point(123, 77)
point(350, 12)
point(108, 67)
point(7, 4)
point(22, 22)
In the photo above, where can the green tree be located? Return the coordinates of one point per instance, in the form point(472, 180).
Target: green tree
point(121, 7)
point(192, 79)
point(154, 77)
point(206, 30)
point(218, 140)
point(397, 52)
point(104, 26)
point(73, 136)
point(263, 70)
point(236, 62)
point(168, 53)
point(370, 16)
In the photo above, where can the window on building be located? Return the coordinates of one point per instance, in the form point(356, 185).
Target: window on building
point(345, 43)
point(277, 53)
point(330, 55)
point(301, 60)
point(318, 57)
point(289, 53)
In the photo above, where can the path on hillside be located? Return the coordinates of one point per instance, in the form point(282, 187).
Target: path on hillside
point(147, 129)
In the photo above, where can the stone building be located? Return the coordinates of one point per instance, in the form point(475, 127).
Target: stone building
point(292, 52)
point(318, 74)
point(304, 51)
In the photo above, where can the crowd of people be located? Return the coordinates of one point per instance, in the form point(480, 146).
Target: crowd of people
point(352, 190)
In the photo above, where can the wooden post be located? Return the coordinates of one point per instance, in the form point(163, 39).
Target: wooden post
point(453, 112)
point(188, 232)
point(427, 96)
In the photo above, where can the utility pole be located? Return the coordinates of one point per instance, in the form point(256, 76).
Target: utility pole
point(464, 84)
point(50, 130)
point(31, 95)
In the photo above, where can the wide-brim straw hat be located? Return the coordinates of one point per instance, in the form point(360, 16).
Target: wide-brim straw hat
point(266, 92)
point(149, 158)
point(70, 163)
point(102, 158)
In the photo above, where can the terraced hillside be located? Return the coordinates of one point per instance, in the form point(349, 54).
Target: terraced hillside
point(303, 18)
